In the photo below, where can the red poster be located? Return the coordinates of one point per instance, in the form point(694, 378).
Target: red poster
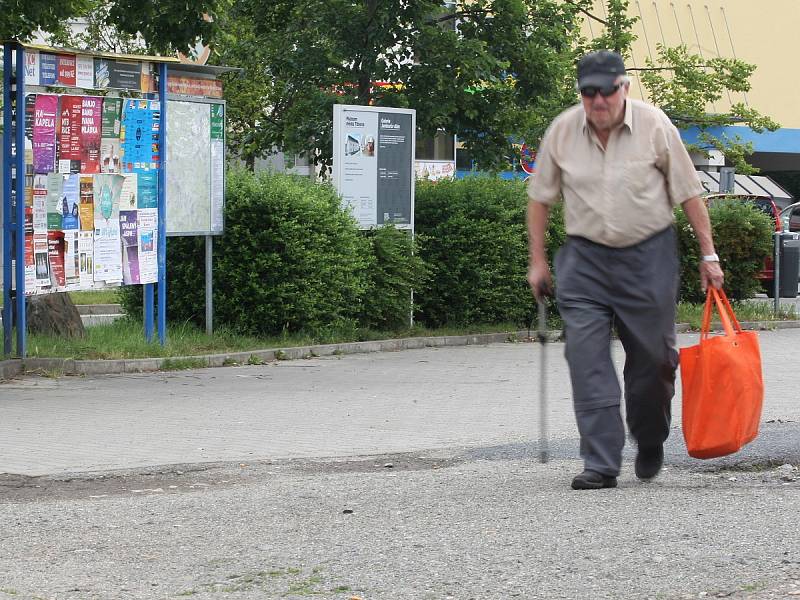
point(70, 126)
point(90, 134)
point(66, 70)
point(55, 251)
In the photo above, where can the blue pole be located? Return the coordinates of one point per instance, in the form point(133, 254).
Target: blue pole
point(20, 196)
point(162, 206)
point(7, 161)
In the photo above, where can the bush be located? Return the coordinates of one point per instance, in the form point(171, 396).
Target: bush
point(743, 239)
point(291, 259)
point(395, 270)
point(476, 251)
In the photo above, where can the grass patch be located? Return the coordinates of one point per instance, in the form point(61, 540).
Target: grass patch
point(746, 310)
point(124, 339)
point(96, 296)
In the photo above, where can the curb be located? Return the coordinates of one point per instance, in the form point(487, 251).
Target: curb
point(65, 366)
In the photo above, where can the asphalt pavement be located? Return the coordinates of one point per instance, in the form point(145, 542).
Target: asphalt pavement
point(408, 474)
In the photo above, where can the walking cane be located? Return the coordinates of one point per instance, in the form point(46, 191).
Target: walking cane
point(544, 291)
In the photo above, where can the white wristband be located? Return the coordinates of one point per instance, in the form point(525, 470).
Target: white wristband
point(710, 258)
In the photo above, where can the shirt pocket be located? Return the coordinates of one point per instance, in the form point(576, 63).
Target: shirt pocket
point(639, 179)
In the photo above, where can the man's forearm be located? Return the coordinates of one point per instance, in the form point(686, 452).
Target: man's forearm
point(538, 215)
point(697, 214)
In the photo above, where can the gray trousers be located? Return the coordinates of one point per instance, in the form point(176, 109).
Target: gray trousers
point(634, 290)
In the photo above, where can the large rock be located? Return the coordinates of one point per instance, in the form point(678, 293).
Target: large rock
point(54, 314)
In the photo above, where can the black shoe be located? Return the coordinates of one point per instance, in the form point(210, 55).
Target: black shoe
point(649, 460)
point(592, 480)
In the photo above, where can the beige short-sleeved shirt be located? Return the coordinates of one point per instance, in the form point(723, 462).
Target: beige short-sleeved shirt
point(623, 194)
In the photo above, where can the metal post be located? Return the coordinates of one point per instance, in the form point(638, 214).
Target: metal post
point(162, 206)
point(727, 180)
point(776, 281)
point(6, 220)
point(209, 284)
point(19, 237)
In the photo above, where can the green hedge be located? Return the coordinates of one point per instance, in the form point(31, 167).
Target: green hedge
point(476, 252)
point(743, 239)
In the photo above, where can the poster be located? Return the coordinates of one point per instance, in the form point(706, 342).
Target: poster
point(70, 202)
point(41, 260)
point(102, 74)
point(107, 192)
point(39, 208)
point(44, 133)
point(71, 268)
point(147, 231)
point(55, 200)
point(109, 134)
point(359, 187)
point(30, 265)
point(48, 69)
point(55, 252)
point(84, 72)
point(130, 246)
point(217, 135)
point(31, 67)
point(66, 70)
point(86, 207)
point(147, 184)
point(86, 258)
point(90, 134)
point(125, 75)
point(69, 150)
point(127, 198)
point(139, 135)
point(107, 251)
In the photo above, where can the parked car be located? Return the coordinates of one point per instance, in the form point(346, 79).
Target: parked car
point(790, 217)
point(766, 205)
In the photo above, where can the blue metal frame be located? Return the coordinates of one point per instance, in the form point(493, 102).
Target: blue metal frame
point(7, 162)
point(19, 239)
point(162, 206)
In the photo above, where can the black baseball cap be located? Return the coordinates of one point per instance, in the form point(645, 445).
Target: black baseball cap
point(600, 69)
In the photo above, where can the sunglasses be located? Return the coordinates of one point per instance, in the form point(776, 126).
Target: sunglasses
point(590, 91)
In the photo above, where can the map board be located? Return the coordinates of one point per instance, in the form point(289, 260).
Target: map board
point(195, 195)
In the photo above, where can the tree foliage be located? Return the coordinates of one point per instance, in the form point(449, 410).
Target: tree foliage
point(485, 72)
point(164, 25)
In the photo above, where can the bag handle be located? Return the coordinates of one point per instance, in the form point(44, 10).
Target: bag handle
point(729, 321)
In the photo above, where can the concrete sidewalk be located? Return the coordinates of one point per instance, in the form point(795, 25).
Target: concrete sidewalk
point(432, 398)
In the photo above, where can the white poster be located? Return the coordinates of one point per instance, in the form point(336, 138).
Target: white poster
point(359, 170)
point(107, 251)
point(217, 185)
point(31, 67)
point(147, 230)
point(86, 258)
point(127, 199)
point(71, 255)
point(41, 260)
point(39, 204)
point(84, 72)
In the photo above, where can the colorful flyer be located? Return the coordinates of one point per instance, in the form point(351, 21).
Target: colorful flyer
point(66, 70)
point(147, 225)
point(30, 266)
point(107, 192)
point(69, 150)
point(71, 219)
point(45, 113)
point(139, 135)
point(55, 252)
point(86, 208)
point(84, 72)
point(127, 199)
point(110, 131)
point(55, 201)
point(91, 119)
point(102, 77)
point(48, 69)
point(130, 246)
point(148, 189)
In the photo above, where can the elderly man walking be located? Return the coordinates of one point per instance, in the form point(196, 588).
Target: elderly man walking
point(620, 167)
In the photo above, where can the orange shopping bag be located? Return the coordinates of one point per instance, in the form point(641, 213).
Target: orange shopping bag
point(723, 389)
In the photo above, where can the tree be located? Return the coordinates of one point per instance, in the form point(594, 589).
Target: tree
point(485, 72)
point(684, 86)
point(165, 25)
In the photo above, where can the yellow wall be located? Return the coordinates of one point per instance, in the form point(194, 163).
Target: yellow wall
point(761, 33)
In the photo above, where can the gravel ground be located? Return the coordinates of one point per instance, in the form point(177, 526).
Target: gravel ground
point(446, 524)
